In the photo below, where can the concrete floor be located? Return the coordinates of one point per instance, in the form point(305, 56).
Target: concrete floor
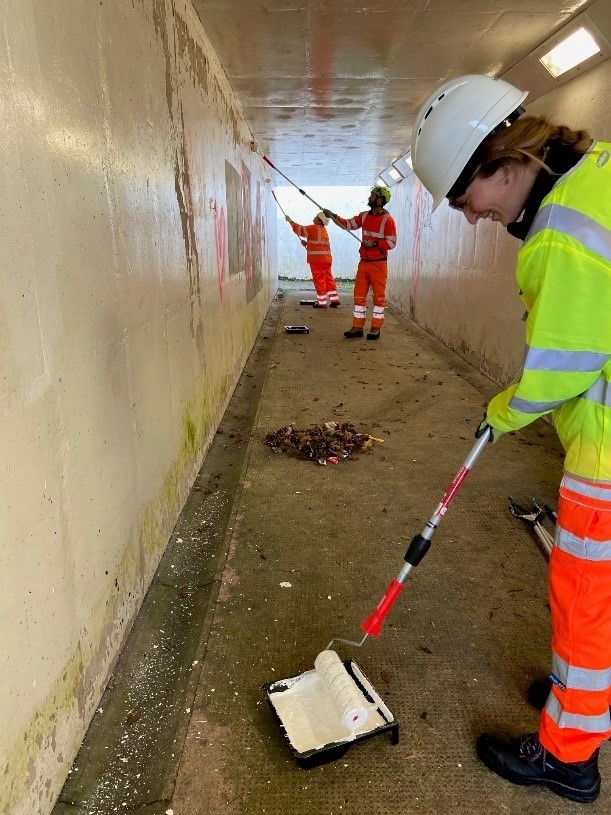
point(184, 725)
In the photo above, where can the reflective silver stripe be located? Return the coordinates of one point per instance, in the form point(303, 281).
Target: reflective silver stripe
point(360, 310)
point(352, 223)
point(322, 252)
point(599, 392)
point(580, 678)
point(301, 232)
point(528, 406)
point(587, 724)
point(590, 480)
point(581, 488)
point(583, 548)
point(587, 231)
point(377, 310)
point(391, 240)
point(546, 359)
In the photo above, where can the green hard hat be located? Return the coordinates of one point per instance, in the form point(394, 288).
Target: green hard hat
point(382, 192)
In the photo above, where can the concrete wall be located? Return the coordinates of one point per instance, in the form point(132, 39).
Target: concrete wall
point(138, 263)
point(345, 201)
point(458, 281)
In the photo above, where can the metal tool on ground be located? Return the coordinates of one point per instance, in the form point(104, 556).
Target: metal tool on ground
point(303, 192)
point(551, 513)
point(418, 547)
point(534, 517)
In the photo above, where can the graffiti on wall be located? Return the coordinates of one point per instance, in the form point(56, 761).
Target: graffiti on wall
point(220, 239)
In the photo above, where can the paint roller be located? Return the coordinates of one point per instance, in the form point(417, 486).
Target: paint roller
point(348, 699)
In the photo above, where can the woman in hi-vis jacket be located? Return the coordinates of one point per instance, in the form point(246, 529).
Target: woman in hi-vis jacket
point(550, 186)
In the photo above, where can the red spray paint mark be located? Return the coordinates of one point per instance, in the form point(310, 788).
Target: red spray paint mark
point(416, 249)
point(220, 237)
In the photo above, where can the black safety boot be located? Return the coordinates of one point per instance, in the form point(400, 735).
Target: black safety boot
point(374, 334)
point(335, 304)
point(354, 332)
point(525, 761)
point(318, 305)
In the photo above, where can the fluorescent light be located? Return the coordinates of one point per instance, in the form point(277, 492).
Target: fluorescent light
point(404, 164)
point(572, 51)
point(379, 182)
point(389, 179)
point(394, 174)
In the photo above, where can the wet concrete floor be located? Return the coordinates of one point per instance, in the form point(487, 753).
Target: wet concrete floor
point(273, 557)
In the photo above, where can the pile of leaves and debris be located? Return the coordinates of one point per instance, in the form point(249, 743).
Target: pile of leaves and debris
point(330, 442)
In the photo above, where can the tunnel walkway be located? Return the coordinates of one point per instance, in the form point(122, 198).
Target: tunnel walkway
point(273, 556)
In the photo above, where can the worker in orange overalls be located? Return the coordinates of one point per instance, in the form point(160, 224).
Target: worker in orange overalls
point(315, 239)
point(378, 236)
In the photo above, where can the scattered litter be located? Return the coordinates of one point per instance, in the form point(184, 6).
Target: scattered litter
point(328, 442)
point(285, 585)
point(296, 329)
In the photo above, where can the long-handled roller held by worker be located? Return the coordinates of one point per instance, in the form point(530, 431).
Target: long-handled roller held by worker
point(323, 711)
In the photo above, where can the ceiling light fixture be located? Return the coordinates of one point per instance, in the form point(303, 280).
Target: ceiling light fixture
point(579, 46)
point(570, 52)
point(404, 164)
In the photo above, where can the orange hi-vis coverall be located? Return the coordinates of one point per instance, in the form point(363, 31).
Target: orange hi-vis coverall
point(318, 249)
point(564, 275)
point(372, 270)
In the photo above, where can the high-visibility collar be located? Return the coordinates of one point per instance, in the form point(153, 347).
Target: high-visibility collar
point(559, 159)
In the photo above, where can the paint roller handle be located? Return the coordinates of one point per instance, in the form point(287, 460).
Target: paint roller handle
point(373, 623)
point(417, 550)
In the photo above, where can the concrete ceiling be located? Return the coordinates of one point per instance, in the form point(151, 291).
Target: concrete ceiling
point(331, 89)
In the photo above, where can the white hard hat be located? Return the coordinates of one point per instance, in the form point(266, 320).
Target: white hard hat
point(322, 217)
point(453, 122)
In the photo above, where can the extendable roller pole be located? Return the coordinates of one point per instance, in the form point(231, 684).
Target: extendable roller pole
point(303, 192)
point(279, 204)
point(421, 543)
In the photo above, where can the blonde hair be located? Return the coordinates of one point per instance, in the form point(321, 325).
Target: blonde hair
point(529, 138)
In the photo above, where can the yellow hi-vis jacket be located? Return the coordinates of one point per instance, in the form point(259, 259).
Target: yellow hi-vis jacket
point(564, 275)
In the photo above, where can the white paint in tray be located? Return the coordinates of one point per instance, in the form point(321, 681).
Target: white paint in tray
point(312, 714)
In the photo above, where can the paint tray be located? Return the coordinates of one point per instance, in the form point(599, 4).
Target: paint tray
point(296, 329)
point(307, 302)
point(314, 731)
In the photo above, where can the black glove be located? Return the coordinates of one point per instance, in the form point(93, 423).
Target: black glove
point(495, 434)
point(330, 214)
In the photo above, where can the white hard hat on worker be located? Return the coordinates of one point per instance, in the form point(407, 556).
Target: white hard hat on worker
point(320, 216)
point(452, 124)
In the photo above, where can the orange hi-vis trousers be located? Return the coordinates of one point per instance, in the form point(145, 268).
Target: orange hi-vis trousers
point(370, 275)
point(324, 283)
point(575, 720)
